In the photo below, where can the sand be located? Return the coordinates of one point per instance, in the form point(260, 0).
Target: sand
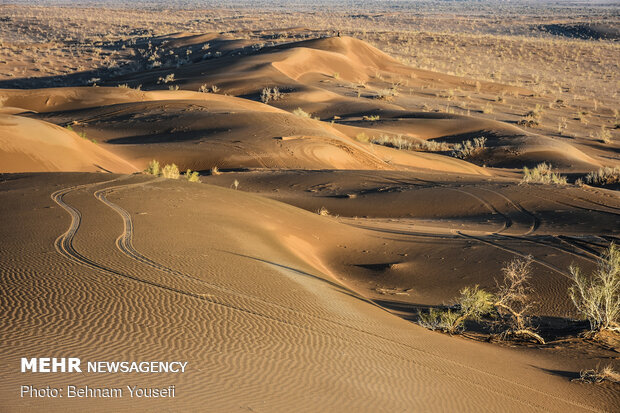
point(273, 306)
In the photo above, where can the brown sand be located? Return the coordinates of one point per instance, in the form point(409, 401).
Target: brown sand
point(275, 307)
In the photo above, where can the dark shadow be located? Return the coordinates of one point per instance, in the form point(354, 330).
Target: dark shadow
point(571, 375)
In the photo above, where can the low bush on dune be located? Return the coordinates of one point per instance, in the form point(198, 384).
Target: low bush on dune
point(153, 168)
point(469, 148)
point(603, 177)
point(401, 142)
point(270, 93)
point(504, 310)
point(301, 113)
point(170, 171)
point(542, 174)
point(599, 375)
point(191, 176)
point(597, 297)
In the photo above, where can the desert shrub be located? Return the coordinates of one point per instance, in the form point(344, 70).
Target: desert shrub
point(599, 375)
point(400, 142)
point(597, 297)
point(323, 211)
point(371, 118)
point(170, 172)
point(268, 94)
point(532, 118)
point(387, 94)
point(191, 176)
point(512, 299)
point(605, 135)
point(508, 306)
point(301, 113)
point(473, 303)
point(153, 168)
point(215, 171)
point(604, 176)
point(469, 148)
point(443, 320)
point(542, 174)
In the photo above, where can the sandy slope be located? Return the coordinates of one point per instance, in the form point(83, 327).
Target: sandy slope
point(37, 146)
point(250, 303)
point(267, 300)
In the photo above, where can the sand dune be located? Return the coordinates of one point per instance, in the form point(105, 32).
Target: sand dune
point(254, 318)
point(291, 279)
point(30, 145)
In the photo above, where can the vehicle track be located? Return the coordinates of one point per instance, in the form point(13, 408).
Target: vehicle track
point(64, 245)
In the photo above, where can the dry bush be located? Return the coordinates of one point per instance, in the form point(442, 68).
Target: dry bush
point(153, 168)
point(191, 176)
point(513, 300)
point(301, 113)
point(468, 149)
point(509, 304)
point(599, 375)
point(170, 172)
point(597, 297)
point(604, 176)
point(323, 212)
point(542, 174)
point(269, 93)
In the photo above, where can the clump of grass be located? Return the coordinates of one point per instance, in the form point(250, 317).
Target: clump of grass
point(533, 117)
point(170, 172)
point(301, 113)
point(597, 297)
point(604, 176)
point(599, 375)
point(469, 148)
point(542, 174)
point(215, 171)
point(268, 94)
point(153, 168)
point(191, 176)
point(371, 118)
point(605, 135)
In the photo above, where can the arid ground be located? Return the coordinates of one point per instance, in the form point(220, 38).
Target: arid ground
point(358, 166)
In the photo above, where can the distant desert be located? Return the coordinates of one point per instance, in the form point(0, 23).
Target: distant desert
point(361, 206)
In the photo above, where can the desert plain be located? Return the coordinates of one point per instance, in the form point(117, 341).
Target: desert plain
point(317, 207)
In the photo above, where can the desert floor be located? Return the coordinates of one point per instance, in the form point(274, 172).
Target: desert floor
point(337, 201)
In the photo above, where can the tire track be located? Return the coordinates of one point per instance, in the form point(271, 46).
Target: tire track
point(64, 245)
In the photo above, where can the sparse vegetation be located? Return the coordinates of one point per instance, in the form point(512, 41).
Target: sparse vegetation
point(597, 297)
point(191, 176)
point(469, 148)
point(215, 171)
point(301, 113)
point(603, 177)
point(599, 375)
point(170, 171)
point(153, 168)
point(269, 94)
point(542, 174)
point(507, 307)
